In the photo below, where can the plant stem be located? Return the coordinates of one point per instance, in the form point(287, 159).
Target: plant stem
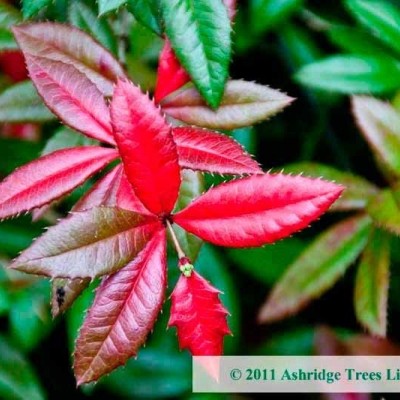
point(178, 247)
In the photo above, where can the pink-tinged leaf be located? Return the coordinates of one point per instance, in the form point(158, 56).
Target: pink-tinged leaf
point(69, 45)
point(88, 244)
point(72, 97)
point(64, 292)
point(372, 284)
point(257, 210)
point(147, 148)
point(243, 104)
point(379, 122)
point(103, 192)
point(123, 313)
point(202, 150)
point(50, 177)
point(317, 269)
point(358, 190)
point(326, 343)
point(231, 6)
point(170, 74)
point(127, 199)
point(199, 316)
point(364, 345)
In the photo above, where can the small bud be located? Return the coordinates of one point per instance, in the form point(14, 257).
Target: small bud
point(186, 269)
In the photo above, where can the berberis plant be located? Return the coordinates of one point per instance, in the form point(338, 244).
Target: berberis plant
point(118, 230)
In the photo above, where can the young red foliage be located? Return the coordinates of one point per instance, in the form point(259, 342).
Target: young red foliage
point(146, 147)
point(123, 313)
point(72, 97)
point(12, 63)
point(257, 210)
point(199, 316)
point(204, 150)
point(103, 192)
point(50, 177)
point(170, 74)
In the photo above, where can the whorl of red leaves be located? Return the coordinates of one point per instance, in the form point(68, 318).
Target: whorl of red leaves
point(118, 230)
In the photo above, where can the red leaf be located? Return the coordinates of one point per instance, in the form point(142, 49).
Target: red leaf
point(59, 42)
point(103, 192)
point(199, 316)
point(231, 6)
point(72, 97)
point(257, 210)
point(88, 244)
point(202, 150)
point(127, 199)
point(50, 177)
point(170, 74)
point(123, 313)
point(12, 63)
point(147, 149)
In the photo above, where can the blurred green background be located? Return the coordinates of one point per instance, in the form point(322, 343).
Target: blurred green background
point(316, 51)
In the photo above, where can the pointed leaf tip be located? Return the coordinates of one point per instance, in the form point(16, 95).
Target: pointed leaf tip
point(88, 244)
point(317, 268)
point(199, 316)
point(147, 148)
point(202, 150)
point(257, 210)
point(379, 122)
point(243, 104)
point(69, 45)
point(50, 177)
point(123, 313)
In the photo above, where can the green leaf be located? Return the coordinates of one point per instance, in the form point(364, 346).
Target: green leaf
point(385, 212)
point(9, 15)
point(147, 13)
point(358, 190)
point(243, 104)
point(317, 269)
point(65, 138)
point(267, 264)
point(199, 32)
point(352, 74)
point(18, 381)
point(355, 40)
point(106, 6)
point(32, 7)
point(88, 244)
point(21, 103)
point(381, 17)
point(192, 186)
point(300, 47)
point(7, 41)
point(266, 14)
point(86, 19)
point(30, 319)
point(372, 284)
point(379, 122)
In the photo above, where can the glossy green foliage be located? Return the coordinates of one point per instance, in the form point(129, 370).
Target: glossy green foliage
point(200, 35)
